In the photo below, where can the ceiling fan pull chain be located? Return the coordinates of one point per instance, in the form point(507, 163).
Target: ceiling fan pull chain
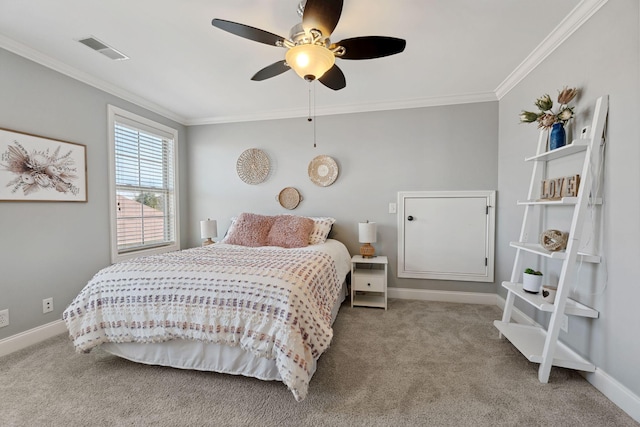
point(309, 116)
point(314, 116)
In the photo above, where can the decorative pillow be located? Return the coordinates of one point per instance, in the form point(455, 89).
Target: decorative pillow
point(321, 228)
point(229, 230)
point(250, 230)
point(290, 231)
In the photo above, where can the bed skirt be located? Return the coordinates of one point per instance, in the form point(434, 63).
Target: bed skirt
point(202, 356)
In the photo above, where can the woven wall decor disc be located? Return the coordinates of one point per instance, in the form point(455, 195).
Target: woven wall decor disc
point(289, 198)
point(253, 166)
point(323, 171)
point(553, 240)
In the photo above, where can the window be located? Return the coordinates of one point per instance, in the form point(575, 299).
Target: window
point(143, 183)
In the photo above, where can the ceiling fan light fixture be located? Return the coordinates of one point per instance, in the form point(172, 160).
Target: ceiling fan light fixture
point(310, 61)
point(310, 52)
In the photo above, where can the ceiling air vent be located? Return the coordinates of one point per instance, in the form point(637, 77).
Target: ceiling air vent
point(98, 46)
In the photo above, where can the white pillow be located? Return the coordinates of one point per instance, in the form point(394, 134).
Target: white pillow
point(229, 230)
point(321, 228)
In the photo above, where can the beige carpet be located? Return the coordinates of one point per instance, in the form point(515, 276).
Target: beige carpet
point(418, 364)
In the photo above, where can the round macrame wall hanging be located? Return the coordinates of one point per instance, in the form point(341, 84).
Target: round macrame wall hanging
point(253, 166)
point(323, 171)
point(553, 240)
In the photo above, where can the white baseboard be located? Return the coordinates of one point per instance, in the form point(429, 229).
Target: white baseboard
point(624, 398)
point(30, 337)
point(442, 296)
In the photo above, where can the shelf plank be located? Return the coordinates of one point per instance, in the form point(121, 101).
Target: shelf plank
point(565, 201)
point(529, 340)
point(369, 300)
point(576, 146)
point(570, 201)
point(572, 307)
point(539, 250)
point(378, 259)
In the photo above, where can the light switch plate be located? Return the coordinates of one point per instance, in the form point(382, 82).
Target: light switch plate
point(4, 318)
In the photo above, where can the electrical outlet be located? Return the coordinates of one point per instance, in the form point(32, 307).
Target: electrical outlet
point(47, 305)
point(584, 133)
point(565, 323)
point(4, 318)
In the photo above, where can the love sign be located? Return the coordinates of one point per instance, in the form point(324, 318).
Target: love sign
point(557, 188)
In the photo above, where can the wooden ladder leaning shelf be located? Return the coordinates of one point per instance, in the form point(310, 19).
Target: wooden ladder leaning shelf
point(537, 344)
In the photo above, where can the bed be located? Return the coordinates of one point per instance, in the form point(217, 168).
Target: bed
point(259, 310)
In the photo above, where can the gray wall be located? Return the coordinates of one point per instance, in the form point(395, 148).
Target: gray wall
point(378, 154)
point(52, 249)
point(602, 57)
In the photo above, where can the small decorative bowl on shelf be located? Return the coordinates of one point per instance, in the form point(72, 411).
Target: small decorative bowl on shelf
point(549, 293)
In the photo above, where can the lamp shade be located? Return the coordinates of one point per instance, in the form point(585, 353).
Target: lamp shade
point(367, 232)
point(208, 229)
point(310, 61)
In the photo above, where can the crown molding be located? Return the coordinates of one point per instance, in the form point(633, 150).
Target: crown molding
point(574, 20)
point(46, 61)
point(351, 109)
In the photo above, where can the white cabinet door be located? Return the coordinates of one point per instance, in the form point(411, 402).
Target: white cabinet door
point(446, 235)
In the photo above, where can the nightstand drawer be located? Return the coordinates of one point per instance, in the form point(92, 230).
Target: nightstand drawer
point(369, 281)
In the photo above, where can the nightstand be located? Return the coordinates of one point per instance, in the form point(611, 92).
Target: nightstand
point(369, 281)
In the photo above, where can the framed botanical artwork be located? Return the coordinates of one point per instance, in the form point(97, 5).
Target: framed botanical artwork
point(38, 169)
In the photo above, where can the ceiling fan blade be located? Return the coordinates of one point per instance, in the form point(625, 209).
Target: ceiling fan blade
point(322, 15)
point(272, 70)
point(248, 32)
point(370, 47)
point(333, 78)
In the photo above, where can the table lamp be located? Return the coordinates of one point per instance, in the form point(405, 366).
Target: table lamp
point(208, 229)
point(367, 235)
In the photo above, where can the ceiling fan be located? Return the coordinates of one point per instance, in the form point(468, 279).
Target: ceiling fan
point(309, 51)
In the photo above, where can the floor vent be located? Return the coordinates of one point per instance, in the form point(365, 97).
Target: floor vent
point(99, 46)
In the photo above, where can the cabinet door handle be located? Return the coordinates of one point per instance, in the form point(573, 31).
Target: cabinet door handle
point(409, 218)
point(368, 284)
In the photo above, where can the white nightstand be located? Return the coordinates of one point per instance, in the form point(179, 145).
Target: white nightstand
point(369, 281)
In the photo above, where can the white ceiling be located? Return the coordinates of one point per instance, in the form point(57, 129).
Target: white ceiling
point(184, 68)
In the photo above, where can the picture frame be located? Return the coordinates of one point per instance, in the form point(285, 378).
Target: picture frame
point(39, 169)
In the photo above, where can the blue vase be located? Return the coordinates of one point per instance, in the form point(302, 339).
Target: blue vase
point(557, 136)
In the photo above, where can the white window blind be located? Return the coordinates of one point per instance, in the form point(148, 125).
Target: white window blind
point(144, 179)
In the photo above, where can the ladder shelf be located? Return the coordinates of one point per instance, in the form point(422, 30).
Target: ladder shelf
point(538, 344)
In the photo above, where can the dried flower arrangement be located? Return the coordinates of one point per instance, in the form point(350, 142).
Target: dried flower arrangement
point(547, 117)
point(40, 169)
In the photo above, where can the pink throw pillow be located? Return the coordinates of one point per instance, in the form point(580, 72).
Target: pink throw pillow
point(250, 230)
point(289, 231)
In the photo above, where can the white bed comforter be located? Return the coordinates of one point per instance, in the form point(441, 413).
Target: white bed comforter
point(273, 302)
